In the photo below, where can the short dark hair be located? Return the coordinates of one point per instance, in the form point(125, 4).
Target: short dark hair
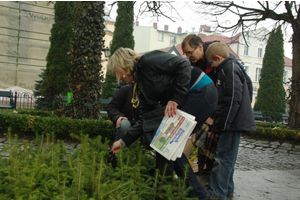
point(193, 40)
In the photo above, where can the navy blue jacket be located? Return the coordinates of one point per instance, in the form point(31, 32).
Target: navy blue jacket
point(234, 112)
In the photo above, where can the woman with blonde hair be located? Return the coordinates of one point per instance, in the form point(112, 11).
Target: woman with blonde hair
point(163, 79)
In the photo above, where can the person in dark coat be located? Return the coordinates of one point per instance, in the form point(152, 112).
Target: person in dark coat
point(163, 79)
point(232, 117)
point(121, 112)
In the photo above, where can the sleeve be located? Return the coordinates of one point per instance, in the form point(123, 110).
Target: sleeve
point(180, 68)
point(233, 92)
point(137, 130)
point(182, 82)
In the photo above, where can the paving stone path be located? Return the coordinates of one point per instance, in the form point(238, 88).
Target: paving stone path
point(263, 154)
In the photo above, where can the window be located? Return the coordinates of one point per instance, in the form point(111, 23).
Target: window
point(285, 77)
point(246, 49)
point(173, 39)
point(161, 37)
point(246, 69)
point(257, 75)
point(259, 52)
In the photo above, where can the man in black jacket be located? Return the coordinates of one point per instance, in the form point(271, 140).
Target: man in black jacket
point(121, 112)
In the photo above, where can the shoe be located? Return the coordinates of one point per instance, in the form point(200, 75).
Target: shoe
point(230, 195)
point(205, 172)
point(212, 196)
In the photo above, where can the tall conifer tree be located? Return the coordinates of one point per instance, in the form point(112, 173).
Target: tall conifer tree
point(55, 76)
point(85, 74)
point(123, 37)
point(271, 93)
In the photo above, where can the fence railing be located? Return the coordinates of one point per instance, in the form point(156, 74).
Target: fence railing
point(23, 100)
point(29, 101)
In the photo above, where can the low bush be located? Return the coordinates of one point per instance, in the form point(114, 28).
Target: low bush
point(273, 131)
point(44, 122)
point(43, 170)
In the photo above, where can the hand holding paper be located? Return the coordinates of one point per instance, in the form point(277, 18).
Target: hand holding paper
point(172, 134)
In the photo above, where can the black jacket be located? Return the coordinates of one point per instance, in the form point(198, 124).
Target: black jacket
point(161, 77)
point(234, 112)
point(120, 106)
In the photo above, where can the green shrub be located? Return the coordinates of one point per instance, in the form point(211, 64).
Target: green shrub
point(275, 131)
point(41, 122)
point(42, 170)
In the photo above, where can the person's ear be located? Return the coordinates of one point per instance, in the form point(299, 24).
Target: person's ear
point(200, 46)
point(218, 58)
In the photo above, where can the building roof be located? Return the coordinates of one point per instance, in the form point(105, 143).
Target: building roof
point(223, 39)
point(288, 61)
point(176, 49)
point(220, 38)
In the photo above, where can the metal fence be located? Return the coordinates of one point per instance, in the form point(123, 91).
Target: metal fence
point(23, 100)
point(29, 101)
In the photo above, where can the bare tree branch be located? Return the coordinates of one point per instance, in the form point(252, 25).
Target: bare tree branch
point(156, 8)
point(111, 7)
point(249, 16)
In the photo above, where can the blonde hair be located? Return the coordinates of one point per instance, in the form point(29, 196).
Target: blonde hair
point(217, 48)
point(122, 59)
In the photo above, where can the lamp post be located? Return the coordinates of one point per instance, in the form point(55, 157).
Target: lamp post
point(106, 53)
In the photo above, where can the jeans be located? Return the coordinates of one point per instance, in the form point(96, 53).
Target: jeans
point(124, 127)
point(201, 103)
point(220, 183)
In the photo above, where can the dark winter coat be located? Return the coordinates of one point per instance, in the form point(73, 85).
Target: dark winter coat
point(234, 112)
point(161, 77)
point(120, 106)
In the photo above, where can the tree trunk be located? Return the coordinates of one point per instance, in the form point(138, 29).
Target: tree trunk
point(294, 120)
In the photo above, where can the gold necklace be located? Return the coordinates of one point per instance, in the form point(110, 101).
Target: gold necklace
point(136, 93)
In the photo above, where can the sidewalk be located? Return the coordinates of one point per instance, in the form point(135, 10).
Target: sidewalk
point(267, 171)
point(267, 185)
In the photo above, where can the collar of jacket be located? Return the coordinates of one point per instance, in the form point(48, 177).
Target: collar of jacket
point(223, 64)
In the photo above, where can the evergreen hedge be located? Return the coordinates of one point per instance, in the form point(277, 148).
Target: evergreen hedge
point(123, 37)
point(271, 93)
point(55, 79)
point(46, 122)
point(86, 73)
point(43, 170)
point(273, 131)
point(35, 122)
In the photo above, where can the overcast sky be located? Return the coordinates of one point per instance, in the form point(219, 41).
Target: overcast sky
point(187, 16)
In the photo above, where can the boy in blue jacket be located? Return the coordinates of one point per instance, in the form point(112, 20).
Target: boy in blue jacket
point(232, 117)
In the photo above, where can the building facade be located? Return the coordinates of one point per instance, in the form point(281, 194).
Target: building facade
point(24, 35)
point(24, 41)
